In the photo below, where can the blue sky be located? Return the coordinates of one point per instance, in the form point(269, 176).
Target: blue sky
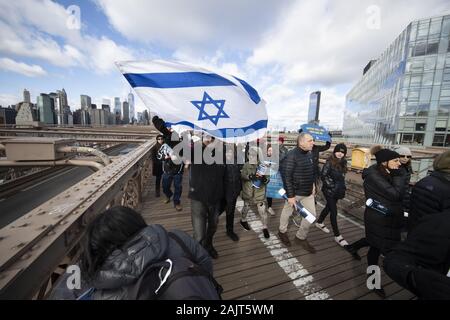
point(285, 49)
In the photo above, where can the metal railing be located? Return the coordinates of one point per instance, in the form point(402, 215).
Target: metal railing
point(33, 246)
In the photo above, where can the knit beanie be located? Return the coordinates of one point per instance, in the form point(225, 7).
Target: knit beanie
point(385, 155)
point(442, 162)
point(404, 151)
point(340, 147)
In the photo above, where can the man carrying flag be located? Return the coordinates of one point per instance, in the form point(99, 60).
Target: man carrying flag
point(192, 98)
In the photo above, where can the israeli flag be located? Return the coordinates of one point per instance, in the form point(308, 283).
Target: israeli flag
point(193, 98)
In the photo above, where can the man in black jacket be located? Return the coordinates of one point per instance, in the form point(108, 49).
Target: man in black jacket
point(206, 192)
point(421, 264)
point(431, 194)
point(298, 179)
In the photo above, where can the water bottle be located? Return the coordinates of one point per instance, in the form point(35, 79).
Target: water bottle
point(262, 170)
point(299, 208)
point(376, 205)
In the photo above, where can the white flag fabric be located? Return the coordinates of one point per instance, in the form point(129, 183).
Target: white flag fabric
point(193, 98)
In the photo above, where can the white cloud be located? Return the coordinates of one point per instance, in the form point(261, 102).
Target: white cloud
point(202, 25)
point(39, 30)
point(22, 68)
point(328, 42)
point(8, 99)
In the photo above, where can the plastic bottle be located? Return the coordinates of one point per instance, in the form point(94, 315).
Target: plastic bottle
point(299, 208)
point(376, 205)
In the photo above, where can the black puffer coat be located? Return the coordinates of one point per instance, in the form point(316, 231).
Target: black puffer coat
point(333, 180)
point(383, 231)
point(298, 173)
point(430, 195)
point(421, 263)
point(124, 266)
point(232, 181)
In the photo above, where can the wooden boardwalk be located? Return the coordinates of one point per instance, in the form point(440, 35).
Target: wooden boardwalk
point(259, 268)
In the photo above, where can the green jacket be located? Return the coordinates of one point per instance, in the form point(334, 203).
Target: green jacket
point(250, 193)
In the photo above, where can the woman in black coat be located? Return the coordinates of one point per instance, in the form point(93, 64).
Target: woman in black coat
point(385, 184)
point(333, 188)
point(157, 169)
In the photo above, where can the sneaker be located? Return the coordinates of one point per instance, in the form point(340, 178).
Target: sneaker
point(353, 252)
point(167, 200)
point(266, 233)
point(322, 227)
point(245, 225)
point(178, 207)
point(271, 212)
point(306, 245)
point(284, 238)
point(233, 236)
point(341, 241)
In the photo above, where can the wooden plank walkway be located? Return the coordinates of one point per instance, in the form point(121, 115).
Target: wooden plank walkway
point(259, 268)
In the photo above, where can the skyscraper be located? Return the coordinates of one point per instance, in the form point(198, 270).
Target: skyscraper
point(85, 102)
point(45, 105)
point(117, 106)
point(26, 96)
point(131, 105)
point(126, 113)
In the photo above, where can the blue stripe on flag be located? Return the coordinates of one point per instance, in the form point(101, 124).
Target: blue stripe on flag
point(176, 80)
point(223, 132)
point(250, 90)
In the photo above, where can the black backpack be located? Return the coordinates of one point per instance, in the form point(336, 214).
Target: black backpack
point(179, 278)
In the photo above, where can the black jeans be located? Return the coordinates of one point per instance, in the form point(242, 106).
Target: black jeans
point(158, 182)
point(231, 207)
point(269, 202)
point(331, 208)
point(204, 222)
point(374, 253)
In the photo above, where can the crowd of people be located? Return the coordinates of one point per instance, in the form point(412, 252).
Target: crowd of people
point(412, 233)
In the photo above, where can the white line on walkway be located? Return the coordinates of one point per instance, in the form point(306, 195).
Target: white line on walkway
point(302, 280)
point(46, 180)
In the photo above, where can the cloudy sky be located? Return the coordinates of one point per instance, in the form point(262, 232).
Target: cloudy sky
point(285, 49)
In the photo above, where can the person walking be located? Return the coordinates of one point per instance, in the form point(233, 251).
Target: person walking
point(157, 164)
point(298, 179)
point(333, 188)
point(383, 184)
point(251, 193)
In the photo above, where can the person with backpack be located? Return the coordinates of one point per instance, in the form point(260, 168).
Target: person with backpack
point(124, 258)
point(333, 188)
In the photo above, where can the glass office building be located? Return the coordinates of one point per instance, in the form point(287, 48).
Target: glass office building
point(403, 97)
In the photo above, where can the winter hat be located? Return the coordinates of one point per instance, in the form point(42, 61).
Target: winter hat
point(403, 151)
point(340, 147)
point(383, 155)
point(442, 162)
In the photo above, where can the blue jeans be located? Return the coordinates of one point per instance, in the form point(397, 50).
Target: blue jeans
point(204, 222)
point(177, 183)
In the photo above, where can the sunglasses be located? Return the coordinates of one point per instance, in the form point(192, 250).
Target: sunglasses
point(409, 157)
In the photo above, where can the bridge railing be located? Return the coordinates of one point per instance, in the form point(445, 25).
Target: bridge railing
point(35, 245)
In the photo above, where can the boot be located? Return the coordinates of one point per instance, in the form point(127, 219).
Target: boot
point(233, 236)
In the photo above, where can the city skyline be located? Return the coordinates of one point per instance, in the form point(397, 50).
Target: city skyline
point(287, 51)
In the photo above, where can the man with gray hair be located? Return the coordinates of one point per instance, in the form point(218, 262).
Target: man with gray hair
point(298, 179)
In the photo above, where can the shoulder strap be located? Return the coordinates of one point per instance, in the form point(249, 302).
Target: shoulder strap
point(199, 268)
point(182, 245)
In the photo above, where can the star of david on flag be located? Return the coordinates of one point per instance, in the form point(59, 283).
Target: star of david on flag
point(194, 98)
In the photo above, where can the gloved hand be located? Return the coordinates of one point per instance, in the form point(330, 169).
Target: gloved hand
point(252, 176)
point(160, 125)
point(264, 179)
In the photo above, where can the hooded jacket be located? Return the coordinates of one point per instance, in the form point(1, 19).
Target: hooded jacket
point(151, 245)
